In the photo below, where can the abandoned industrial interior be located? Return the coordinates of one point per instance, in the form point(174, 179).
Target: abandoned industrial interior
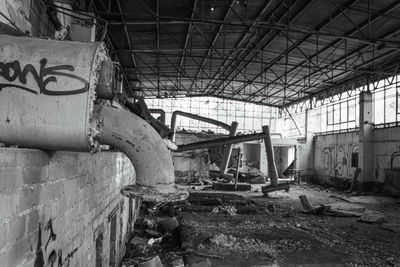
point(199, 133)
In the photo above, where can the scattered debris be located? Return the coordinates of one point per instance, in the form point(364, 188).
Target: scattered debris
point(154, 262)
point(207, 255)
point(346, 209)
point(231, 210)
point(308, 208)
point(231, 187)
point(170, 224)
point(271, 188)
point(367, 199)
point(205, 263)
point(370, 216)
point(393, 227)
point(136, 240)
point(265, 232)
point(154, 241)
point(152, 233)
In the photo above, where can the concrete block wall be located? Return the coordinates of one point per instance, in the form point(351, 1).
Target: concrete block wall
point(333, 156)
point(63, 207)
point(386, 142)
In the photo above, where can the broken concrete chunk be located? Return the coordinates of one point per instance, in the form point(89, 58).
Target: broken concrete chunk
point(231, 210)
point(393, 227)
point(206, 263)
point(177, 263)
point(231, 187)
point(153, 233)
point(170, 224)
point(272, 188)
point(138, 241)
point(154, 262)
point(371, 216)
point(154, 241)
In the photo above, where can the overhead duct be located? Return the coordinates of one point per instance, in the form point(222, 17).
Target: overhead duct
point(47, 101)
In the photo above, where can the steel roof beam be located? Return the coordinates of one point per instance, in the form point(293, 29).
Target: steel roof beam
point(228, 12)
point(188, 33)
point(300, 41)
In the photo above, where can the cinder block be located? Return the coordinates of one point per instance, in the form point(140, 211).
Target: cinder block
point(31, 241)
point(33, 221)
point(17, 228)
point(8, 206)
point(29, 197)
point(33, 157)
point(8, 157)
point(10, 180)
point(3, 235)
point(70, 187)
point(60, 225)
point(62, 170)
point(29, 263)
point(52, 191)
point(34, 174)
point(15, 256)
point(78, 194)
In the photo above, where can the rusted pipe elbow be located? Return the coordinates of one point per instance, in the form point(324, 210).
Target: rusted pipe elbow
point(155, 179)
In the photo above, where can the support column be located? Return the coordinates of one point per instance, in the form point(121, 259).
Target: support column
point(366, 139)
point(228, 149)
point(272, 171)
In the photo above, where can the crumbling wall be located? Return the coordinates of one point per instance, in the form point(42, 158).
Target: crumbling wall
point(192, 163)
point(63, 207)
point(335, 156)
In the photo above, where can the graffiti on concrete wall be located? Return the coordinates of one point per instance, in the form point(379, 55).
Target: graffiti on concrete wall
point(12, 71)
point(337, 160)
point(54, 258)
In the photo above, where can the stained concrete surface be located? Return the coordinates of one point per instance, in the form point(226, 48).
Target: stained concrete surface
point(273, 231)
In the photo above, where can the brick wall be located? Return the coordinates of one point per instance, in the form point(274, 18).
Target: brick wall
point(74, 195)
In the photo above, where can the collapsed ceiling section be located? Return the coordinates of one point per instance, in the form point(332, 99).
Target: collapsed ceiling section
point(270, 52)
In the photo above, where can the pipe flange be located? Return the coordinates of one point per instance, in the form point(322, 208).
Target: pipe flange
point(155, 194)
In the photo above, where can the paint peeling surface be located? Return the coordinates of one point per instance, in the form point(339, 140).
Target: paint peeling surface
point(45, 91)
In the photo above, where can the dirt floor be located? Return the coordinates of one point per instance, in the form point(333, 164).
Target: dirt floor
point(248, 229)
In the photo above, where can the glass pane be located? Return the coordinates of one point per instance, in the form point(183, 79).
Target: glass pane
point(329, 112)
point(336, 113)
point(343, 112)
point(352, 110)
point(379, 107)
point(390, 104)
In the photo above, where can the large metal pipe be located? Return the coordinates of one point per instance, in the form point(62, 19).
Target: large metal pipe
point(142, 144)
point(221, 141)
point(47, 95)
point(272, 171)
point(159, 111)
point(228, 150)
point(196, 117)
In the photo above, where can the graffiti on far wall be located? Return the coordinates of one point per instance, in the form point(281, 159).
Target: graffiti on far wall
point(13, 70)
point(336, 160)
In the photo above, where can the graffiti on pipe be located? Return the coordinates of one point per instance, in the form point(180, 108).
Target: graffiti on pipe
point(336, 160)
point(12, 71)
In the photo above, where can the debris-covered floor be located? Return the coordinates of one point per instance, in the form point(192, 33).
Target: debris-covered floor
point(248, 229)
